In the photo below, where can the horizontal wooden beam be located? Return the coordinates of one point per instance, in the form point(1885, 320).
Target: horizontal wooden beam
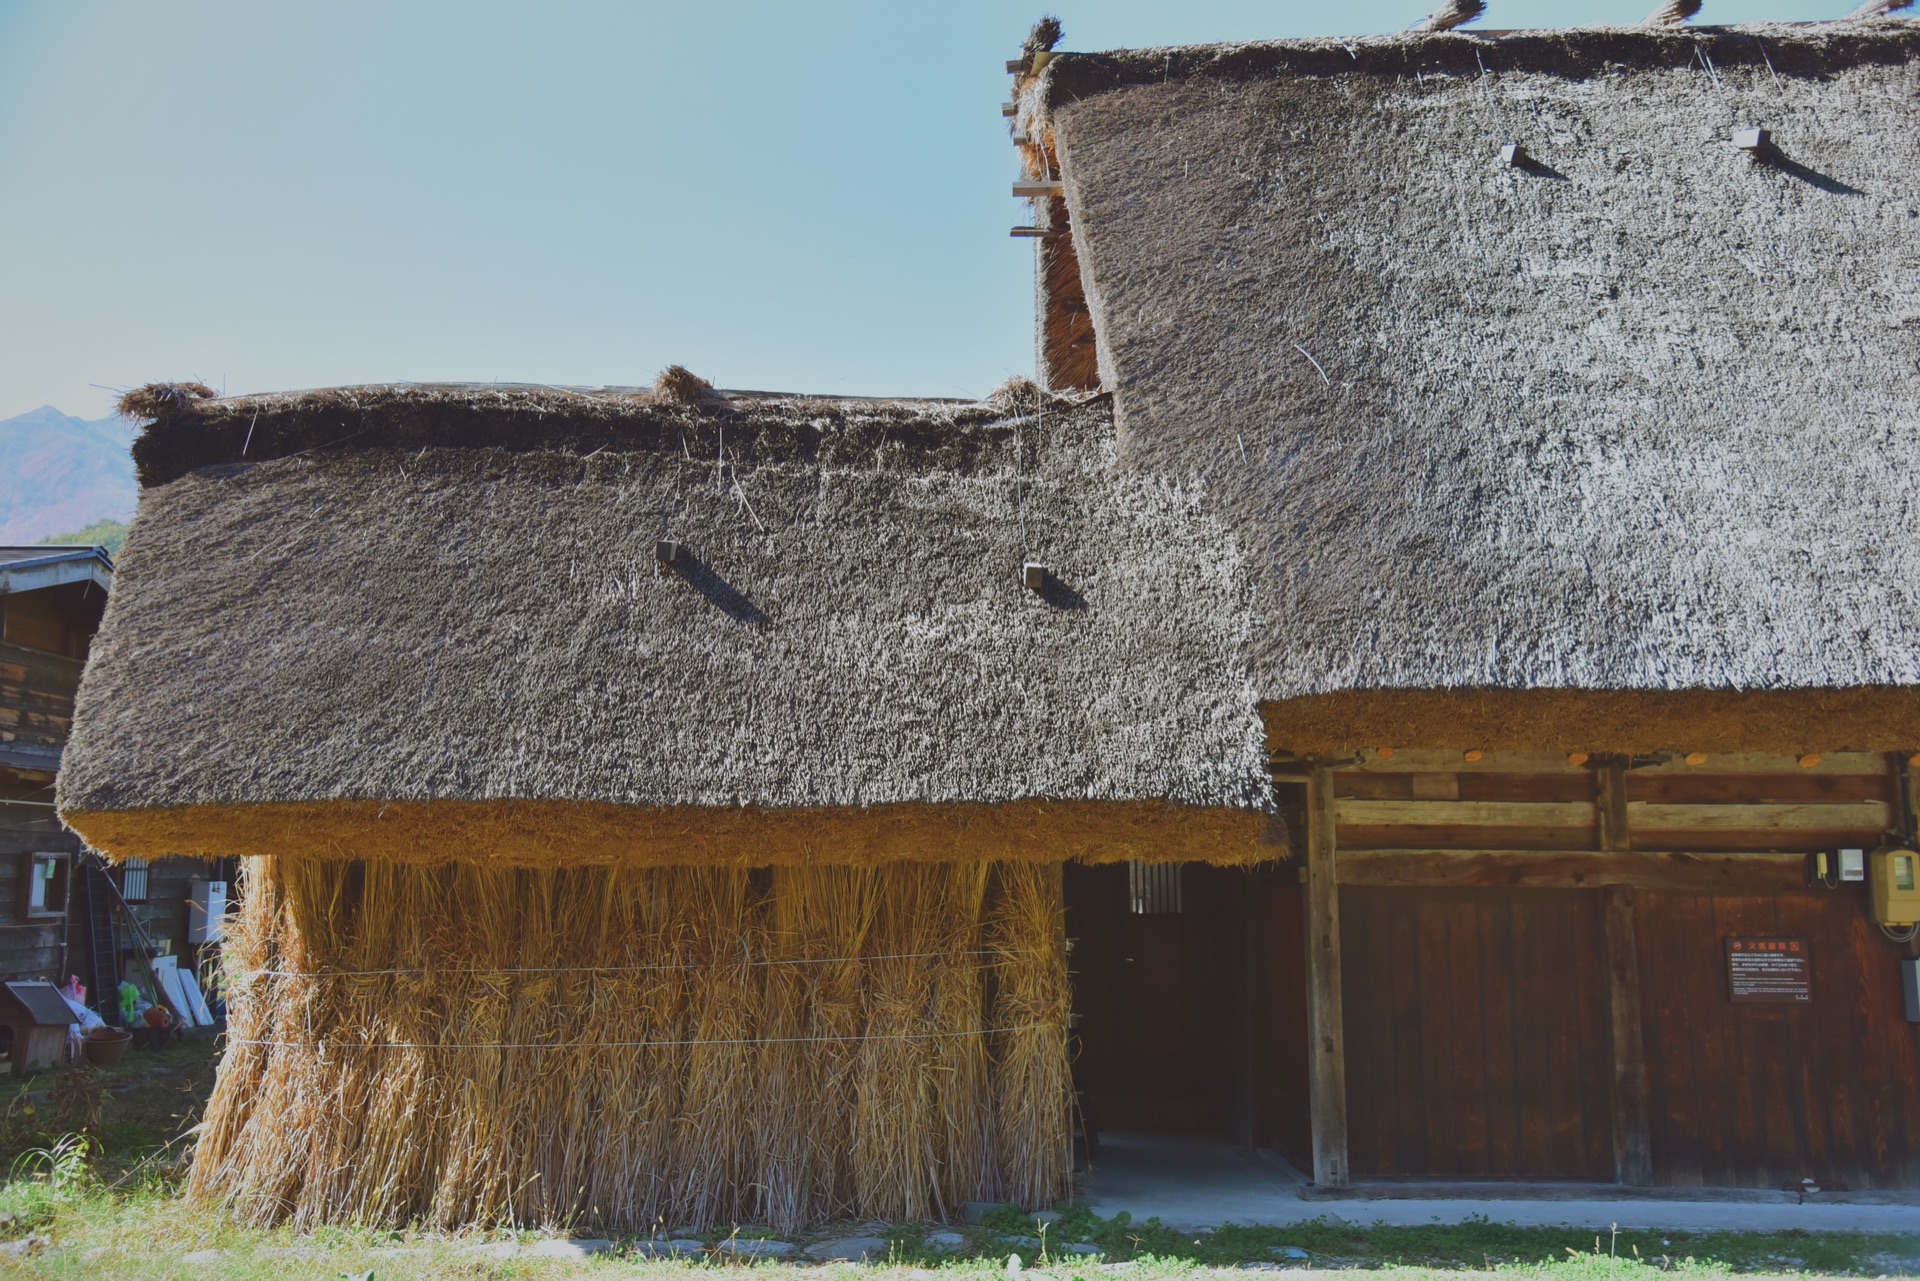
point(1650, 816)
point(1422, 759)
point(1466, 813)
point(1399, 760)
point(1768, 763)
point(1579, 869)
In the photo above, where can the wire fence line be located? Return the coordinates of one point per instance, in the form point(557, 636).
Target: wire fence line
point(629, 1045)
point(657, 968)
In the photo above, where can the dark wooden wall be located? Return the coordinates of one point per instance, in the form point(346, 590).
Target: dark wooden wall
point(53, 620)
point(1161, 1002)
point(1477, 1035)
point(36, 709)
point(1765, 1095)
point(28, 949)
point(1527, 954)
point(1278, 939)
point(46, 635)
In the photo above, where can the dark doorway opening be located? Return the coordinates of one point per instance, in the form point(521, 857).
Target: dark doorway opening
point(1189, 1001)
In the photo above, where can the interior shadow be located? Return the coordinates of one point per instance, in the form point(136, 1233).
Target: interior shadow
point(702, 578)
point(1774, 158)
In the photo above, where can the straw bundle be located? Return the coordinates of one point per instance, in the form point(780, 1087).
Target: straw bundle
point(473, 1045)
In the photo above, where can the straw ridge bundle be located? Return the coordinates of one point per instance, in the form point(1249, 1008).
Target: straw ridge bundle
point(472, 1045)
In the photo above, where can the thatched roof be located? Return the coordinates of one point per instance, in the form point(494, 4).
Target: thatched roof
point(1640, 414)
point(408, 617)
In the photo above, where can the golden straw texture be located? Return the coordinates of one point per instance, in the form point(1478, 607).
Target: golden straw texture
point(470, 1045)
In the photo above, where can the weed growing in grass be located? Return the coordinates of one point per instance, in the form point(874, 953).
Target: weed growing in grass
point(43, 1180)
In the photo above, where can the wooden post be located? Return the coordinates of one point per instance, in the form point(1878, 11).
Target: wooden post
point(1610, 802)
point(1327, 1054)
point(1632, 1142)
point(1906, 790)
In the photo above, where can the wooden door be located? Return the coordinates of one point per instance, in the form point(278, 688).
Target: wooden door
point(1477, 1035)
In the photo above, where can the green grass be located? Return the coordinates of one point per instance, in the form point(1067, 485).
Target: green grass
point(108, 1204)
point(146, 1231)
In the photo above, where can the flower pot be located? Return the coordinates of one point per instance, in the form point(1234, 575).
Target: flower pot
point(106, 1045)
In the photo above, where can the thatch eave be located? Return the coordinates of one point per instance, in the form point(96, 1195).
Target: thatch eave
point(534, 833)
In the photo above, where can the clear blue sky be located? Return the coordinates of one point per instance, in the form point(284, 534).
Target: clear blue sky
point(281, 193)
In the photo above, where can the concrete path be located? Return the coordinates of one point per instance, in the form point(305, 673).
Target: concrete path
point(1190, 1183)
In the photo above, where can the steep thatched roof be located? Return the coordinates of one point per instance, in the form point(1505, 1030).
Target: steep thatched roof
point(410, 618)
point(1638, 414)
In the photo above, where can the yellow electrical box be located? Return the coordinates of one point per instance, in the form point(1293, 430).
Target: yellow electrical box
point(1895, 873)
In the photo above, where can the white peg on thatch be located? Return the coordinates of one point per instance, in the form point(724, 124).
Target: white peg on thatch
point(1672, 13)
point(670, 554)
point(1750, 139)
point(1879, 9)
point(1451, 14)
point(1038, 188)
point(1034, 575)
point(1513, 155)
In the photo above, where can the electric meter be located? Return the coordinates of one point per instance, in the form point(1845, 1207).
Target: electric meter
point(1895, 874)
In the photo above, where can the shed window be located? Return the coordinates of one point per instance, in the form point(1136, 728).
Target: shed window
point(133, 880)
point(46, 886)
point(1153, 889)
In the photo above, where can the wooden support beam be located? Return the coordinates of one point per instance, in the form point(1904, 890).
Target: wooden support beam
point(1632, 1137)
point(1767, 763)
point(1430, 760)
point(1327, 1055)
point(1843, 816)
point(1610, 802)
point(1674, 872)
point(1906, 789)
point(1359, 813)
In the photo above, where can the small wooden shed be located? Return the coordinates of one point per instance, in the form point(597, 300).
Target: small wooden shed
point(35, 1018)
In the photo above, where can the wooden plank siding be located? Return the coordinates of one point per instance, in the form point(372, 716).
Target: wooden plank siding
point(36, 696)
point(36, 710)
point(1282, 1115)
point(1765, 1095)
point(28, 949)
point(1534, 979)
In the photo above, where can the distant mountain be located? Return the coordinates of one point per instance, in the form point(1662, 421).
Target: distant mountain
point(60, 474)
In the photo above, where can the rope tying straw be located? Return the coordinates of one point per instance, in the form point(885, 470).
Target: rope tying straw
point(634, 1045)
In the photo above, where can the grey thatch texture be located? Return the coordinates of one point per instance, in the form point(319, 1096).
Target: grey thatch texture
point(1640, 414)
point(422, 614)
